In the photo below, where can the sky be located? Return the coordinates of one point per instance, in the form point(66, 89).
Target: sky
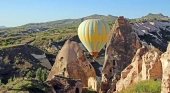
point(19, 12)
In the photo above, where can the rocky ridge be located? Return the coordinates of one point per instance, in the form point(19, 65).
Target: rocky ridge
point(156, 33)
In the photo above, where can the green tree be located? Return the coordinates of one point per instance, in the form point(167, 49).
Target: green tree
point(29, 74)
point(44, 75)
point(0, 82)
point(38, 74)
point(4, 43)
point(10, 80)
point(154, 18)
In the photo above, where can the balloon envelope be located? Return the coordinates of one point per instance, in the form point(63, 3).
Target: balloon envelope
point(93, 33)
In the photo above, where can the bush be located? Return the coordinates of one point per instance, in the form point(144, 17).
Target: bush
point(10, 80)
point(0, 82)
point(44, 38)
point(59, 37)
point(88, 90)
point(4, 43)
point(44, 75)
point(147, 86)
point(25, 86)
point(38, 74)
point(41, 74)
point(132, 20)
point(32, 35)
point(29, 74)
point(7, 60)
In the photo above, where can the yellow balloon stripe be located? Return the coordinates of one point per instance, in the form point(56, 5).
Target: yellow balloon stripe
point(93, 34)
point(86, 37)
point(81, 34)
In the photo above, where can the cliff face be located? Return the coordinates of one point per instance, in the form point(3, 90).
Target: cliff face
point(165, 59)
point(121, 48)
point(71, 62)
point(145, 65)
point(130, 74)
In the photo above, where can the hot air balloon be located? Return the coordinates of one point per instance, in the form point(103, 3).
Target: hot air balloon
point(93, 33)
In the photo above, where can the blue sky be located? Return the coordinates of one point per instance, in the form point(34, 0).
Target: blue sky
point(20, 12)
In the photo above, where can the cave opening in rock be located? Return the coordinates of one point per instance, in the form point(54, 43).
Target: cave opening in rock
point(61, 59)
point(77, 90)
point(110, 70)
point(113, 62)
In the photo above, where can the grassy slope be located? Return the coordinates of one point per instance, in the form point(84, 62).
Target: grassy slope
point(147, 86)
point(24, 86)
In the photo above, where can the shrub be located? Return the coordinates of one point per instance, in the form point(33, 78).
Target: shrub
point(38, 74)
point(0, 82)
point(4, 43)
point(10, 80)
point(29, 74)
point(44, 75)
point(88, 90)
point(16, 60)
point(147, 86)
point(6, 60)
point(32, 35)
point(59, 37)
point(25, 86)
point(41, 75)
point(44, 38)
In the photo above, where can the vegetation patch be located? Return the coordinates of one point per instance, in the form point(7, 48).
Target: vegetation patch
point(25, 86)
point(147, 86)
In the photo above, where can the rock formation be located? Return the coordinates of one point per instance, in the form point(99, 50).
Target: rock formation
point(121, 48)
point(147, 27)
point(145, 65)
point(71, 62)
point(65, 85)
point(130, 74)
point(151, 65)
point(44, 61)
point(155, 32)
point(165, 59)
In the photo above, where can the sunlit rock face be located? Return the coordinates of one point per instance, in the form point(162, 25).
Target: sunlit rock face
point(120, 50)
point(165, 59)
point(71, 62)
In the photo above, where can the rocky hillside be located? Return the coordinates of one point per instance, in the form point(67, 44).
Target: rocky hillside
point(76, 22)
point(156, 32)
point(70, 22)
point(151, 16)
point(17, 61)
point(73, 23)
